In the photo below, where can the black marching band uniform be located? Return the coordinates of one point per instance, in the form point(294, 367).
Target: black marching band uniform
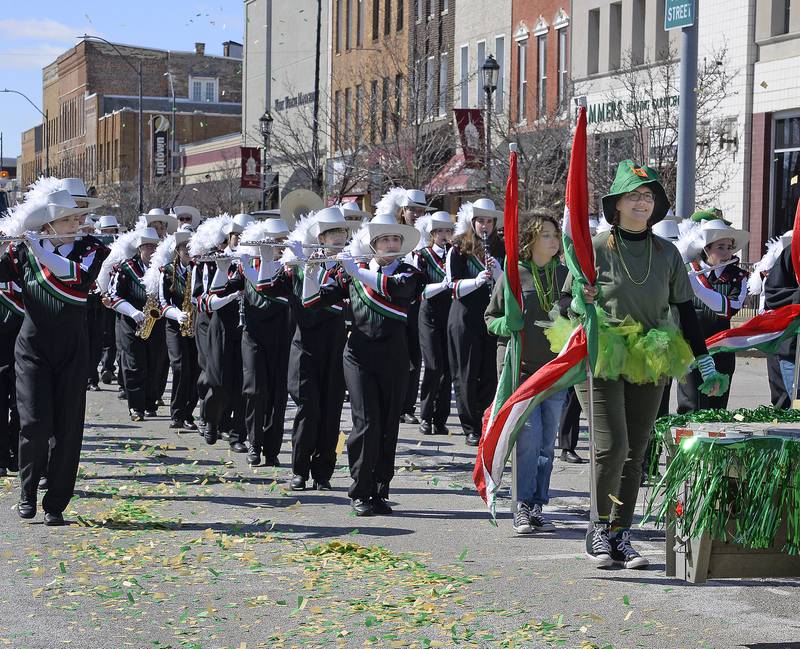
point(12, 312)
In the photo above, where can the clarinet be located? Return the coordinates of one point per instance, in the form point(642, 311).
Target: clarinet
point(486, 257)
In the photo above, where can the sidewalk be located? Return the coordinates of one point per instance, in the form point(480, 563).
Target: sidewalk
point(178, 544)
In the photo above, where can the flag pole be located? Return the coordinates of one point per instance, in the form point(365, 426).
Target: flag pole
point(795, 401)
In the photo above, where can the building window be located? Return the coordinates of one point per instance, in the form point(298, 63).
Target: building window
point(443, 84)
point(348, 107)
point(430, 86)
point(421, 10)
point(432, 6)
point(522, 80)
point(376, 19)
point(360, 26)
point(204, 89)
point(786, 168)
point(562, 68)
point(385, 110)
point(387, 17)
point(337, 118)
point(541, 101)
point(400, 17)
point(478, 80)
point(339, 23)
point(615, 36)
point(348, 25)
point(358, 135)
point(593, 42)
point(637, 37)
point(662, 37)
point(500, 57)
point(463, 86)
point(445, 6)
point(398, 101)
point(373, 110)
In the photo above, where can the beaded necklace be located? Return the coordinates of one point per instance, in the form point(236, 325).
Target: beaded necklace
point(622, 245)
point(546, 294)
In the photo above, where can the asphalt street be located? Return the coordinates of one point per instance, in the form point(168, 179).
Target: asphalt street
point(173, 543)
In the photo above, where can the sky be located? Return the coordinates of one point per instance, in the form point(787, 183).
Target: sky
point(34, 34)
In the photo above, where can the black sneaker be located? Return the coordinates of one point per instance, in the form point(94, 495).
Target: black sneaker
point(473, 439)
point(136, 415)
point(598, 545)
point(108, 377)
point(522, 519)
point(298, 483)
point(380, 506)
point(253, 455)
point(539, 522)
point(188, 424)
point(622, 552)
point(426, 427)
point(322, 485)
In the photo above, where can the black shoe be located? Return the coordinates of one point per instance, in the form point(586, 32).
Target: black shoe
point(54, 520)
point(473, 439)
point(271, 461)
point(380, 506)
point(26, 510)
point(425, 428)
point(108, 377)
point(188, 424)
point(121, 395)
point(253, 456)
point(160, 403)
point(210, 436)
point(3, 472)
point(176, 423)
point(298, 483)
point(538, 522)
point(238, 447)
point(136, 415)
point(598, 545)
point(440, 429)
point(322, 485)
point(571, 456)
point(43, 484)
point(361, 507)
point(408, 418)
point(151, 413)
point(93, 387)
point(623, 553)
point(225, 436)
point(13, 463)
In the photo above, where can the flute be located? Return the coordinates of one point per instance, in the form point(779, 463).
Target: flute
point(42, 237)
point(695, 273)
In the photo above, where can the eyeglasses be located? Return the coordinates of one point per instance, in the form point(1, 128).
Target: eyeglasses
point(185, 218)
point(635, 197)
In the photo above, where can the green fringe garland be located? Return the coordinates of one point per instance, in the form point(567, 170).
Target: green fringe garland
point(748, 509)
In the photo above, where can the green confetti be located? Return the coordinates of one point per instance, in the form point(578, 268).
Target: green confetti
point(463, 554)
point(130, 598)
point(62, 568)
point(626, 600)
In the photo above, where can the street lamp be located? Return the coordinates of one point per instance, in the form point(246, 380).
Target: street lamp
point(46, 128)
point(265, 128)
point(490, 70)
point(88, 37)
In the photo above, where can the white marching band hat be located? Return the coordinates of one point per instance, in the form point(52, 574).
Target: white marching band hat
point(179, 210)
point(330, 218)
point(382, 225)
point(416, 198)
point(145, 236)
point(59, 205)
point(77, 190)
point(157, 214)
point(483, 207)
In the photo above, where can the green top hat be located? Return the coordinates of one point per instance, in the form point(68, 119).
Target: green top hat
point(629, 177)
point(709, 214)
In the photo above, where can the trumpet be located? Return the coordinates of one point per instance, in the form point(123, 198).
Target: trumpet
point(152, 312)
point(42, 237)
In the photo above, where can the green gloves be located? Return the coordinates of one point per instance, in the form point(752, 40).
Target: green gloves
point(714, 383)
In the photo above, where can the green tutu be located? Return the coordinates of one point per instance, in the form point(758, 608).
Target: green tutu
point(624, 351)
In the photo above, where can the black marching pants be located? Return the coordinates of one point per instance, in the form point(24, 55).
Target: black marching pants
point(265, 360)
point(436, 388)
point(316, 383)
point(689, 396)
point(137, 359)
point(109, 340)
point(473, 354)
point(223, 367)
point(159, 372)
point(183, 362)
point(414, 359)
point(376, 380)
point(570, 428)
point(9, 418)
point(95, 323)
point(51, 398)
point(201, 343)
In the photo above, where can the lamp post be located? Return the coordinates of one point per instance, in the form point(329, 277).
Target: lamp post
point(265, 128)
point(490, 70)
point(46, 128)
point(88, 37)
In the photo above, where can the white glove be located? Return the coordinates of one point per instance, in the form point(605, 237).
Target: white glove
point(245, 260)
point(138, 316)
point(33, 237)
point(181, 318)
point(297, 249)
point(494, 268)
point(483, 278)
point(348, 263)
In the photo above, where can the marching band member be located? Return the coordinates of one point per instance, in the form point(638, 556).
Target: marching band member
point(376, 353)
point(170, 276)
point(51, 352)
point(12, 312)
point(719, 293)
point(437, 384)
point(128, 297)
point(106, 229)
point(473, 264)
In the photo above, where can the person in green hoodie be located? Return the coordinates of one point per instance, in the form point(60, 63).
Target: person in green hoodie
point(541, 276)
point(640, 280)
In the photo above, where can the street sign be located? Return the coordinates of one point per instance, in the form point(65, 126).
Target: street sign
point(679, 14)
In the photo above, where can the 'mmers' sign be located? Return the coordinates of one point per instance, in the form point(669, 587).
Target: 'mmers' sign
point(612, 111)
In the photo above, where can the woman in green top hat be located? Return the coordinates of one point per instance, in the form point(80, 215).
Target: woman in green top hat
point(640, 278)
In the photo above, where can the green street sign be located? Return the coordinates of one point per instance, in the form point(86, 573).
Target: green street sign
point(678, 14)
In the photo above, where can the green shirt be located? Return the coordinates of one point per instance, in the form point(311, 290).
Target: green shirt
point(649, 303)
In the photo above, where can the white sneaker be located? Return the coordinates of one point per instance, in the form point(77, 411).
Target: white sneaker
point(522, 519)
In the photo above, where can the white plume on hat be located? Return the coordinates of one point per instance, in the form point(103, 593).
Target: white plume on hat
point(775, 246)
point(422, 224)
point(161, 257)
point(689, 231)
point(258, 231)
point(391, 201)
point(209, 235)
point(463, 218)
point(13, 225)
point(124, 247)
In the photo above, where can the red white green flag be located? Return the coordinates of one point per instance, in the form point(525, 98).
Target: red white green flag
point(765, 332)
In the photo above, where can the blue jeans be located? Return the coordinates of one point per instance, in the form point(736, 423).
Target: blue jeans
point(535, 451)
point(787, 372)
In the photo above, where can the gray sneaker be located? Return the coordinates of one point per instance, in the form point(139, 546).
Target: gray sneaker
point(522, 519)
point(598, 546)
point(539, 522)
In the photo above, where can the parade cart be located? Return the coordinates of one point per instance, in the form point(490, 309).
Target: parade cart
point(730, 498)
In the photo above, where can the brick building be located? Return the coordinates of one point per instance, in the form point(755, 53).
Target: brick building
point(90, 95)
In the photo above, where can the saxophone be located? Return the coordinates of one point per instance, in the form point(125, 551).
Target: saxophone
point(187, 328)
point(152, 312)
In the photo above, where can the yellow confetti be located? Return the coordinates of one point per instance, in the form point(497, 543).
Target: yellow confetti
point(340, 443)
point(614, 499)
point(628, 616)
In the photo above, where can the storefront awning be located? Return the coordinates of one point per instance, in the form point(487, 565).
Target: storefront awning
point(456, 178)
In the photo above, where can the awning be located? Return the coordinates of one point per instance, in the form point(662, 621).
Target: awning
point(456, 178)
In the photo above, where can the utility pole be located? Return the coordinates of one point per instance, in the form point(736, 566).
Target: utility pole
point(317, 180)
